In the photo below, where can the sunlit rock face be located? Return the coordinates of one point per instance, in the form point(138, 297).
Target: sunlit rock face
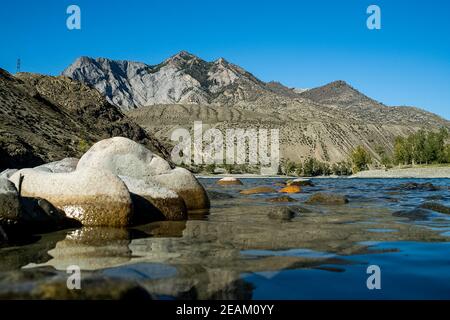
point(127, 158)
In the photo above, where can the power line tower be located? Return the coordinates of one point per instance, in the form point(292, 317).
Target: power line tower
point(18, 66)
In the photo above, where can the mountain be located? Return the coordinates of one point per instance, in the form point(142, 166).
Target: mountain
point(180, 79)
point(45, 118)
point(325, 122)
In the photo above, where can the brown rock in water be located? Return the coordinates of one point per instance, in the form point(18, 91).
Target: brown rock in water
point(93, 197)
point(281, 199)
point(229, 181)
point(258, 190)
point(326, 198)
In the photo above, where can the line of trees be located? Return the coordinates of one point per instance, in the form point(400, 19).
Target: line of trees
point(422, 148)
point(312, 167)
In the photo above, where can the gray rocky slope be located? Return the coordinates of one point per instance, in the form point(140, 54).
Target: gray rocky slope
point(325, 122)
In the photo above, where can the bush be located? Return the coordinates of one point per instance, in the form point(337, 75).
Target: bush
point(360, 159)
point(83, 146)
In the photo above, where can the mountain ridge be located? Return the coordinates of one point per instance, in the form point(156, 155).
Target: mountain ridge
point(326, 122)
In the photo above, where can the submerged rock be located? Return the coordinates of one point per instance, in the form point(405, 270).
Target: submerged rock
point(125, 157)
point(215, 195)
point(93, 197)
point(300, 182)
point(63, 166)
point(258, 190)
point(326, 198)
point(414, 214)
point(291, 189)
point(229, 181)
point(281, 199)
point(281, 213)
point(435, 206)
point(150, 200)
point(426, 186)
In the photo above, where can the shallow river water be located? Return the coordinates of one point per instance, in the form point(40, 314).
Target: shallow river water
point(235, 251)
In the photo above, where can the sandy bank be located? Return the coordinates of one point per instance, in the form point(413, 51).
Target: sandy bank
point(432, 172)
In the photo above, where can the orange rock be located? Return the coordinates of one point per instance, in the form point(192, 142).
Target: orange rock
point(291, 189)
point(258, 190)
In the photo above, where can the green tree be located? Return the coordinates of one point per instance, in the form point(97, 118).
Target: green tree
point(360, 159)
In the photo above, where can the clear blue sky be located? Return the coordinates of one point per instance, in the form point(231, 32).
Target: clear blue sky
point(299, 43)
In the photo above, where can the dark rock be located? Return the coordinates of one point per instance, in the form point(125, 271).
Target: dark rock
point(9, 201)
point(435, 206)
point(214, 195)
point(414, 214)
point(3, 235)
point(426, 186)
point(41, 216)
point(326, 198)
point(281, 199)
point(300, 209)
point(281, 213)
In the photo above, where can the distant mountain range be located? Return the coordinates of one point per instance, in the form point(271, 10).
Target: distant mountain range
point(325, 122)
point(45, 118)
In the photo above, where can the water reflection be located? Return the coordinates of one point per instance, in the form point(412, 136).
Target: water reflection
point(207, 256)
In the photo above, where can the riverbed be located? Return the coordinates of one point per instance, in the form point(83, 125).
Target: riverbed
point(236, 250)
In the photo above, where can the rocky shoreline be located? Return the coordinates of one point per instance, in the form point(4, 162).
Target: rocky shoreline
point(116, 183)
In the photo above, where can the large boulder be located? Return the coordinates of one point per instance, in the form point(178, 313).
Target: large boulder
point(150, 201)
point(125, 157)
point(93, 197)
point(63, 166)
point(186, 185)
